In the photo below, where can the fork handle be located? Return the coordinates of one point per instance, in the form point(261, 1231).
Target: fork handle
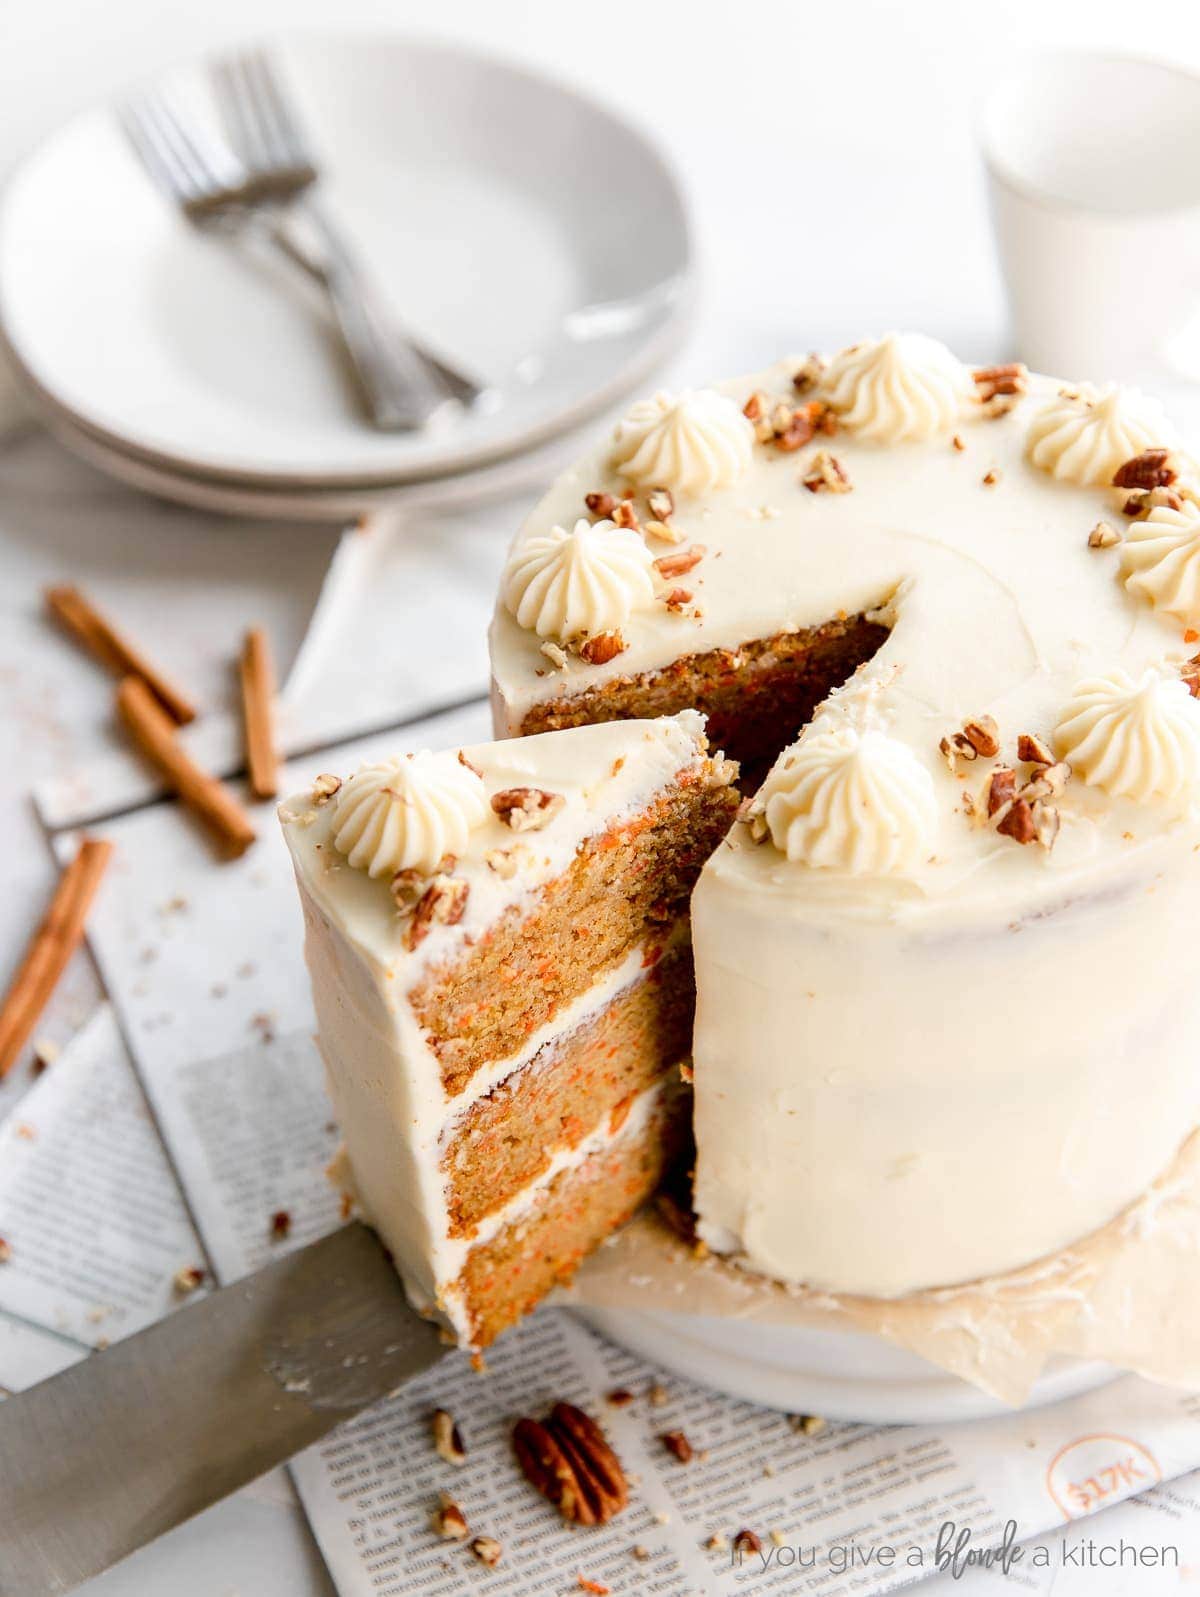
point(399, 392)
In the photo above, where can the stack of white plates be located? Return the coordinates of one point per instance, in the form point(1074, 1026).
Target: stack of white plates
point(525, 231)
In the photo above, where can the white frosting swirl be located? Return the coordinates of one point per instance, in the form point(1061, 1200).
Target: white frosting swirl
point(1084, 435)
point(408, 813)
point(902, 386)
point(564, 584)
point(693, 443)
point(1135, 740)
point(1160, 559)
point(859, 802)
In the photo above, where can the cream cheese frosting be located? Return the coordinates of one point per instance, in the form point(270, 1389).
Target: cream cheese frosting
point(1084, 435)
point(899, 387)
point(1136, 740)
point(407, 813)
point(1160, 560)
point(850, 801)
point(691, 443)
point(567, 585)
point(907, 1078)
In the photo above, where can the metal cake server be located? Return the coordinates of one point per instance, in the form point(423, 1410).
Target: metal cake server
point(100, 1460)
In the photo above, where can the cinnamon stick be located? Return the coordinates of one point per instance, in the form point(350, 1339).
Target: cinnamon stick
point(75, 612)
point(257, 673)
point(154, 733)
point(52, 945)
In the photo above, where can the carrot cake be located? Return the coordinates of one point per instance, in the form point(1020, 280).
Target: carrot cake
point(498, 944)
point(946, 1007)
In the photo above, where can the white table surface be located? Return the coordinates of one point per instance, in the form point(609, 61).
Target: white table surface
point(829, 153)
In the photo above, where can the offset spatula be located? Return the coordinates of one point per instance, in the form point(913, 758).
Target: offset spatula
point(100, 1460)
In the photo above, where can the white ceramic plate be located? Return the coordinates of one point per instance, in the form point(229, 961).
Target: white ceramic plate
point(527, 472)
point(520, 227)
point(841, 1375)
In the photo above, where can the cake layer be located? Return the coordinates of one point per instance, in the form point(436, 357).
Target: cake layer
point(520, 972)
point(545, 1242)
point(574, 1083)
point(756, 697)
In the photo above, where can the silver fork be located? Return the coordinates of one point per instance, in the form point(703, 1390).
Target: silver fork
point(266, 131)
point(215, 191)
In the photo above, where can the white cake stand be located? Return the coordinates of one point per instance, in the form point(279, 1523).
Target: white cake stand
point(841, 1375)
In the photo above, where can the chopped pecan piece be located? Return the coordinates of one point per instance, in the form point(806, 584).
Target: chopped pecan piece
point(442, 904)
point(746, 1542)
point(324, 788)
point(5, 1250)
point(661, 503)
point(568, 1459)
point(527, 809)
point(678, 599)
point(1103, 535)
point(407, 885)
point(680, 564)
point(826, 473)
point(1190, 672)
point(807, 1424)
point(809, 374)
point(281, 1224)
point(957, 746)
point(1046, 821)
point(449, 1520)
point(800, 429)
point(488, 1550)
point(1018, 823)
point(557, 657)
point(463, 760)
point(991, 478)
point(1033, 751)
point(996, 381)
point(1002, 788)
point(605, 646)
point(600, 505)
point(447, 1438)
point(1141, 504)
point(677, 1444)
point(983, 735)
point(959, 443)
point(755, 407)
point(624, 515)
point(188, 1279)
point(596, 1587)
point(620, 1397)
point(1153, 468)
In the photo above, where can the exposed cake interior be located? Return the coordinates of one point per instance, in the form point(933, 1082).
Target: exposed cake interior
point(756, 698)
point(508, 1081)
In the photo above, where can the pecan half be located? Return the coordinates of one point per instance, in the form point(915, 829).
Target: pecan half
point(568, 1459)
point(1153, 468)
point(442, 904)
point(679, 565)
point(605, 646)
point(526, 809)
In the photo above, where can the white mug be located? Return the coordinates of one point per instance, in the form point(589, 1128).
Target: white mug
point(1094, 181)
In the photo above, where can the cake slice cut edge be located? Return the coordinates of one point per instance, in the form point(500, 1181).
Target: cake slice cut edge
point(509, 1085)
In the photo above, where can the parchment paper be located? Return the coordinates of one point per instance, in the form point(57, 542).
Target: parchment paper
point(1128, 1294)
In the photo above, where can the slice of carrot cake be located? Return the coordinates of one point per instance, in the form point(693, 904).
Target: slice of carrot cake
point(498, 943)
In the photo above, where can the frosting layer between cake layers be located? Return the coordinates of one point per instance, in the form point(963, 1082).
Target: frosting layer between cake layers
point(389, 1086)
point(945, 996)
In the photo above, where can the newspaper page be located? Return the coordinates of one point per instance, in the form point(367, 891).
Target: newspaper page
point(94, 1225)
point(203, 962)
